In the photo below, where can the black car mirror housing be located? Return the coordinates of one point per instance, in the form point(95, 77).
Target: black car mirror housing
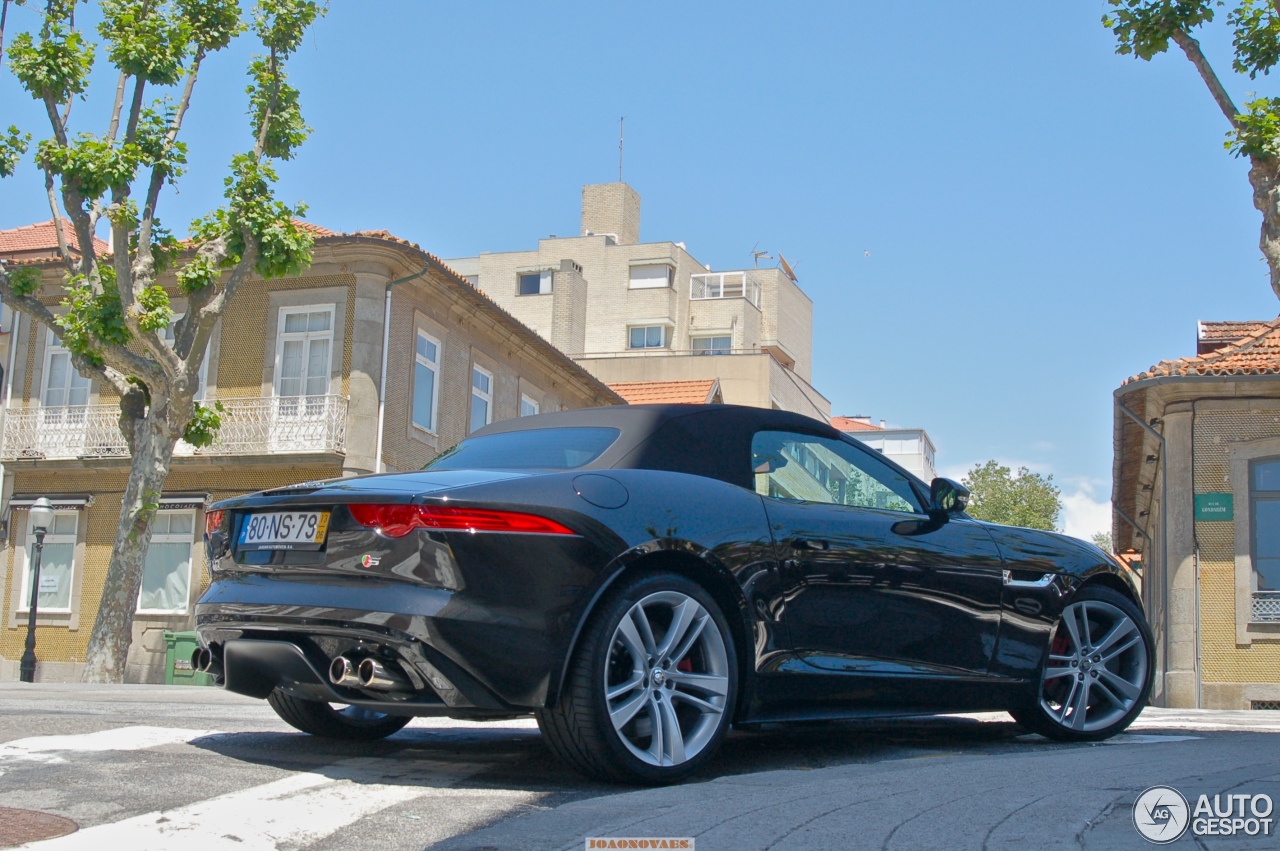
point(947, 497)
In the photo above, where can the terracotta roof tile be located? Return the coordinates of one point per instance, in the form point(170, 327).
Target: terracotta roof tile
point(694, 392)
point(852, 424)
point(43, 237)
point(1212, 336)
point(1257, 353)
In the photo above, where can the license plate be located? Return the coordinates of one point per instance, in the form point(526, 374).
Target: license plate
point(284, 530)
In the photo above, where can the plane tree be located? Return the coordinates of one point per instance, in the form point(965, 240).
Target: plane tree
point(112, 313)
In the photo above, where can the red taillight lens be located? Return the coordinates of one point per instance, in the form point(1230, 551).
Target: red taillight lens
point(396, 521)
point(213, 521)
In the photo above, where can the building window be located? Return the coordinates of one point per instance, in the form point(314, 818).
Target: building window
point(535, 283)
point(647, 337)
point(166, 577)
point(481, 397)
point(426, 368)
point(303, 347)
point(528, 405)
point(64, 387)
point(57, 564)
point(1264, 499)
point(649, 277)
point(718, 345)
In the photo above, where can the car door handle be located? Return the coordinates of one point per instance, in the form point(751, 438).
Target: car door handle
point(810, 544)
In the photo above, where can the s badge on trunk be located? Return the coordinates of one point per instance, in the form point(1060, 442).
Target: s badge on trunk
point(369, 560)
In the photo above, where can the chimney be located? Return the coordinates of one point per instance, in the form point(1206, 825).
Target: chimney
point(611, 208)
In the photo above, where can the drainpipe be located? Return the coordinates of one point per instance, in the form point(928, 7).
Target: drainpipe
point(1164, 534)
point(386, 340)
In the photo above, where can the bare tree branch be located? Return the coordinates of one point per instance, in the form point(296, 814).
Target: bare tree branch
point(4, 16)
point(1191, 47)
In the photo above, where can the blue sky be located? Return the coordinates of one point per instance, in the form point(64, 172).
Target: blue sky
point(1043, 217)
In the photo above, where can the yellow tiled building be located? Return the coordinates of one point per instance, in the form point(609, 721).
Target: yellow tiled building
point(298, 364)
point(1196, 493)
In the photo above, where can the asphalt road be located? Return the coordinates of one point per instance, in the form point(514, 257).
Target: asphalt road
point(148, 767)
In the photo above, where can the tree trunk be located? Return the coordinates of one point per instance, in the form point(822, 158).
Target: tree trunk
point(113, 629)
point(1264, 175)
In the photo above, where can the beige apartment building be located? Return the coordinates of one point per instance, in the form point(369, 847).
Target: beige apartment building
point(631, 312)
point(298, 365)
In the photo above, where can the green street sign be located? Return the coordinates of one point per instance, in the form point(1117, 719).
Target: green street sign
point(1213, 506)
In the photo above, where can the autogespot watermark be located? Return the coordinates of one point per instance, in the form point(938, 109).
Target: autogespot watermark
point(603, 842)
point(1162, 815)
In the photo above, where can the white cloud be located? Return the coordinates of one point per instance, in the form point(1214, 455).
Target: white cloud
point(1083, 515)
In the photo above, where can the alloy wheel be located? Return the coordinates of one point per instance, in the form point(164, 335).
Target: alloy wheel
point(1097, 667)
point(666, 683)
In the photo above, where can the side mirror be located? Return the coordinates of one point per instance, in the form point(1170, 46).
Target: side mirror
point(947, 497)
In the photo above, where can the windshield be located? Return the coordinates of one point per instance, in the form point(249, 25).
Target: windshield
point(534, 449)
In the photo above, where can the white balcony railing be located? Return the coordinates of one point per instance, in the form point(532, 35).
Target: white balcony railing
point(724, 285)
point(258, 426)
point(1266, 607)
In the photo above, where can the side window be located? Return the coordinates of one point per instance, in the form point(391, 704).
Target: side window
point(807, 468)
point(426, 366)
point(57, 565)
point(1264, 496)
point(166, 577)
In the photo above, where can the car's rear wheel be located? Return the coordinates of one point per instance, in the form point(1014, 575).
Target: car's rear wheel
point(1097, 675)
point(334, 721)
point(651, 688)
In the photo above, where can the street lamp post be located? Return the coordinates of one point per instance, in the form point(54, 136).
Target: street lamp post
point(41, 520)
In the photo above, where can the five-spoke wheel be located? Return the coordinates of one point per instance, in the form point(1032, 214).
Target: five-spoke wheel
point(1097, 675)
point(652, 687)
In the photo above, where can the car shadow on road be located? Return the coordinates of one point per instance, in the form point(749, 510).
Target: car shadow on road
point(511, 755)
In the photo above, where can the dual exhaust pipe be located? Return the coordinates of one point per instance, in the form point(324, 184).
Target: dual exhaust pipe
point(368, 673)
point(203, 660)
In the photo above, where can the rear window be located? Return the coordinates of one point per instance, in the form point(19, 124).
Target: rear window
point(535, 449)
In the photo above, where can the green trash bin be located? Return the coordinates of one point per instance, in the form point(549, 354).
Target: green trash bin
point(178, 671)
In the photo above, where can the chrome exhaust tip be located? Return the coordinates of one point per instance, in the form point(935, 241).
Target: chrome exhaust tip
point(342, 672)
point(200, 659)
point(375, 675)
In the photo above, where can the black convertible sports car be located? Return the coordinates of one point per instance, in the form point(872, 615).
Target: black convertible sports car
point(640, 578)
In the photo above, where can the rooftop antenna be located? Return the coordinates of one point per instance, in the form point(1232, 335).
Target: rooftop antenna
point(621, 123)
point(757, 256)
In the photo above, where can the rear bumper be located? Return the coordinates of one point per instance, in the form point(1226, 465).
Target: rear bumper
point(461, 658)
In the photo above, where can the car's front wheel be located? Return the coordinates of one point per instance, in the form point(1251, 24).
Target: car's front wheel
point(651, 688)
point(334, 721)
point(1097, 675)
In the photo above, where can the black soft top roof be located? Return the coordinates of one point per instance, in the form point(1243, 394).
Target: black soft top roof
point(704, 440)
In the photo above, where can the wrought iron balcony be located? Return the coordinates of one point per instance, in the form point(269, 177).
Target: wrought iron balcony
point(1266, 607)
point(255, 426)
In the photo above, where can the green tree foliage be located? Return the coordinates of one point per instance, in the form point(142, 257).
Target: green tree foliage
point(1025, 499)
point(117, 312)
point(1102, 540)
point(1145, 28)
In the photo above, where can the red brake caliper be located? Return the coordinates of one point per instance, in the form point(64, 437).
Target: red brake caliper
point(686, 665)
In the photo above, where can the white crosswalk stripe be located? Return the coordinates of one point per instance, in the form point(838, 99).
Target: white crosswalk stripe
point(287, 813)
point(50, 749)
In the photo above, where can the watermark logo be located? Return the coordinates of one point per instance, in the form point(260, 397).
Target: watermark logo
point(602, 842)
point(1161, 814)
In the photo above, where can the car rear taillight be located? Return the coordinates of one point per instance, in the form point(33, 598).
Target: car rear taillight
point(396, 521)
point(213, 521)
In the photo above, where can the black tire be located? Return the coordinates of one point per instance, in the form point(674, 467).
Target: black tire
point(320, 719)
point(1125, 677)
point(579, 729)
